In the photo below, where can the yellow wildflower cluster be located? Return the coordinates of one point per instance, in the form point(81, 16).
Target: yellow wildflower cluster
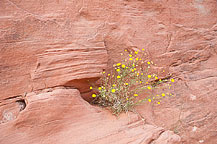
point(122, 88)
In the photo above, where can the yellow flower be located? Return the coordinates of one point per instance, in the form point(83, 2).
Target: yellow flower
point(103, 72)
point(130, 55)
point(132, 70)
point(136, 52)
point(114, 85)
point(149, 76)
point(108, 74)
point(118, 64)
point(141, 73)
point(127, 99)
point(130, 59)
point(126, 83)
point(133, 65)
point(118, 77)
point(158, 102)
point(137, 59)
point(123, 66)
point(147, 82)
point(135, 94)
point(99, 88)
point(118, 70)
point(140, 82)
point(156, 77)
point(149, 100)
point(148, 62)
point(125, 50)
point(149, 87)
point(140, 59)
point(172, 80)
point(93, 95)
point(113, 90)
point(160, 80)
point(91, 87)
point(137, 74)
point(121, 54)
point(163, 94)
point(143, 49)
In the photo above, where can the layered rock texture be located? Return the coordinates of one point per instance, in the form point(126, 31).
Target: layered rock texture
point(61, 116)
point(51, 50)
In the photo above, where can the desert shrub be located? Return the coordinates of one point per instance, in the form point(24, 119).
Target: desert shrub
point(131, 82)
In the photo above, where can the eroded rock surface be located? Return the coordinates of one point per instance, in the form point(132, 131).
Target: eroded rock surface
point(62, 116)
point(46, 44)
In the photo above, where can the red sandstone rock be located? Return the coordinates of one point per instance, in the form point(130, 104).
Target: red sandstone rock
point(46, 44)
point(62, 116)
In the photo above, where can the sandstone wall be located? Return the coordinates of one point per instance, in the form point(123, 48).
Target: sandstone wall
point(59, 43)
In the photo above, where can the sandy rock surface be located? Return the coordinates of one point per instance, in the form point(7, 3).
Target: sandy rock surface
point(61, 116)
point(51, 50)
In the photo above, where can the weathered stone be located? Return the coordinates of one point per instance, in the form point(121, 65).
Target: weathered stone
point(62, 116)
point(46, 44)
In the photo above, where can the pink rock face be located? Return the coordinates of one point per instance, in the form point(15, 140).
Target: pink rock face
point(49, 44)
point(62, 116)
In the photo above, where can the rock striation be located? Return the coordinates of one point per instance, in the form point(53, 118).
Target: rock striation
point(51, 50)
point(61, 115)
